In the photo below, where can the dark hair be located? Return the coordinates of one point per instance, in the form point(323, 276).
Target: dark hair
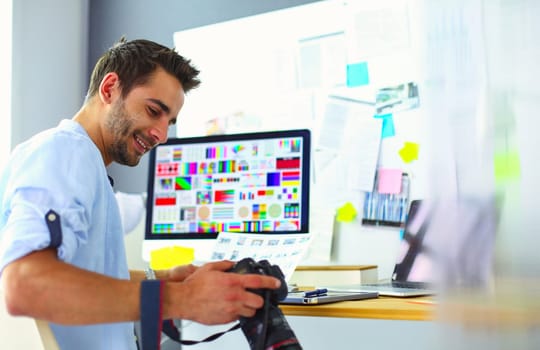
point(134, 61)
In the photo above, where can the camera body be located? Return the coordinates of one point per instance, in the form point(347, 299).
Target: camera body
point(268, 328)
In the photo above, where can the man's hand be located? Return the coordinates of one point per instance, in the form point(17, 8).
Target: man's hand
point(180, 273)
point(210, 295)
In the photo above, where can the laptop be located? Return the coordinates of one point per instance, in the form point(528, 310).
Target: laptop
point(412, 274)
point(303, 298)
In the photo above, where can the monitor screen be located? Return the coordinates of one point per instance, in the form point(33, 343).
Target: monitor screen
point(252, 182)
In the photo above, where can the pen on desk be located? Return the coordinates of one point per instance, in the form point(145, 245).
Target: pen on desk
point(315, 293)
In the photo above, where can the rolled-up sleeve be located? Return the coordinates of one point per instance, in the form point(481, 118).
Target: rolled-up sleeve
point(46, 179)
point(26, 229)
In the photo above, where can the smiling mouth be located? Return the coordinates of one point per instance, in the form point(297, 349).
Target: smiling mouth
point(143, 145)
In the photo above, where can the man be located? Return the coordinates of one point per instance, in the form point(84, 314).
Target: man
point(62, 255)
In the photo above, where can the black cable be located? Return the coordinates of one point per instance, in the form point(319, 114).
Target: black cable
point(262, 339)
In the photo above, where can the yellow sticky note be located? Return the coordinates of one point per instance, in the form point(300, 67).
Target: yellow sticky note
point(168, 257)
point(507, 166)
point(346, 213)
point(409, 152)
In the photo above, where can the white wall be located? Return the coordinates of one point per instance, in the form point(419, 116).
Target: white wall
point(265, 88)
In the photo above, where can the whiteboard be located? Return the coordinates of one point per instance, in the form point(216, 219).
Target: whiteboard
point(281, 70)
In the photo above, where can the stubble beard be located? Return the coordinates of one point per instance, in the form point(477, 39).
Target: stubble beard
point(119, 124)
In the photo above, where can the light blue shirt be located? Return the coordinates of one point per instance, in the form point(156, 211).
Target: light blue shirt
point(62, 169)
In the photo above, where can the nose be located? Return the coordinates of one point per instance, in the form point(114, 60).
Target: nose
point(160, 131)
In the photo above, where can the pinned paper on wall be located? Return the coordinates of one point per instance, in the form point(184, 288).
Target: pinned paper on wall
point(363, 146)
point(321, 61)
point(388, 129)
point(357, 74)
point(401, 97)
point(409, 152)
point(389, 181)
point(333, 125)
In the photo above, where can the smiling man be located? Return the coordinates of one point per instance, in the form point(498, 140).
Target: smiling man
point(62, 256)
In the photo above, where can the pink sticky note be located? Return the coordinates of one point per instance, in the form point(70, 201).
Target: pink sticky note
point(389, 181)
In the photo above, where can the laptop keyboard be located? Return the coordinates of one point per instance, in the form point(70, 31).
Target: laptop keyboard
point(409, 285)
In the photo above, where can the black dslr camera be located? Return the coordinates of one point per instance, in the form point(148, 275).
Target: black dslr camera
point(268, 329)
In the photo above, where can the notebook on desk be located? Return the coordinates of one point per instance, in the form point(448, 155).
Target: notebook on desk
point(412, 275)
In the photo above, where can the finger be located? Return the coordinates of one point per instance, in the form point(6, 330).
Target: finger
point(223, 265)
point(247, 312)
point(189, 269)
point(179, 273)
point(260, 281)
point(252, 299)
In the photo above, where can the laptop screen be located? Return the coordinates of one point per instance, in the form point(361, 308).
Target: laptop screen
point(252, 182)
point(449, 242)
point(415, 259)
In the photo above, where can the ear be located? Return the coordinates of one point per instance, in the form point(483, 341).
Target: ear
point(109, 88)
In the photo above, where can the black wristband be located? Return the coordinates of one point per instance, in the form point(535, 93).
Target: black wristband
point(152, 323)
point(151, 314)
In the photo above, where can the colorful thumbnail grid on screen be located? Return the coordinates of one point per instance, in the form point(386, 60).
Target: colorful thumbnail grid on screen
point(238, 186)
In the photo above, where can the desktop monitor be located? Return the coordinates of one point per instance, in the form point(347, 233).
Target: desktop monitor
point(250, 182)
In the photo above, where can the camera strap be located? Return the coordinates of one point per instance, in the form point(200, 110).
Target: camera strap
point(152, 324)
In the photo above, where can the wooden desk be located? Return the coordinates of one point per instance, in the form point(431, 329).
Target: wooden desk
point(335, 267)
point(384, 324)
point(383, 308)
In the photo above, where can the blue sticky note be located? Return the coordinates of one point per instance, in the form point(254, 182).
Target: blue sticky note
point(383, 116)
point(388, 129)
point(357, 74)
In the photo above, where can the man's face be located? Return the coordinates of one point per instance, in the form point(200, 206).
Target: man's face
point(137, 123)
